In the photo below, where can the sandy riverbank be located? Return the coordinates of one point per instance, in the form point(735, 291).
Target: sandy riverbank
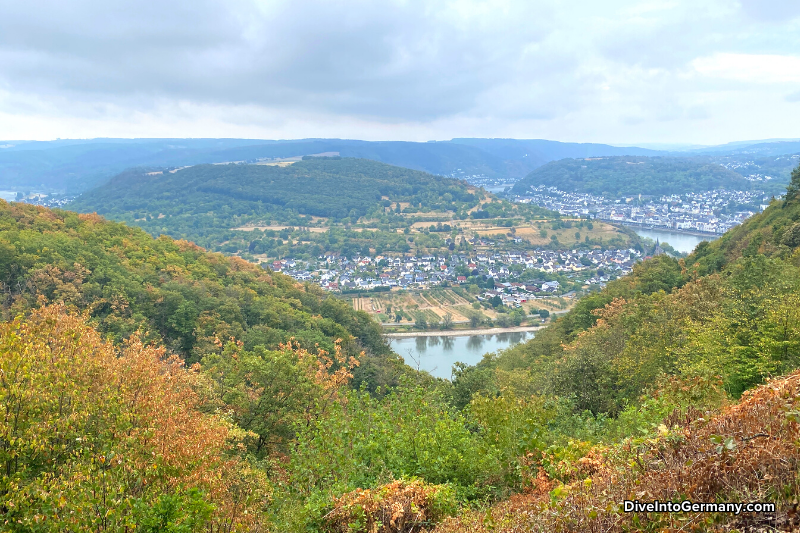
point(462, 332)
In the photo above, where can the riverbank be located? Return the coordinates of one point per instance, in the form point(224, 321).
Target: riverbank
point(462, 332)
point(665, 229)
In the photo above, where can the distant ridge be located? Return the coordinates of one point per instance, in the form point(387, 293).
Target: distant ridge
point(76, 165)
point(767, 147)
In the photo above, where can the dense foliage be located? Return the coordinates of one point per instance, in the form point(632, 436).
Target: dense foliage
point(94, 439)
point(324, 187)
point(618, 176)
point(748, 452)
point(173, 291)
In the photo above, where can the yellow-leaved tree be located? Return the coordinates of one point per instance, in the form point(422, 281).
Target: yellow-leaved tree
point(93, 438)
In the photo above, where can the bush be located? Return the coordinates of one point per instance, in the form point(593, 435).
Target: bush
point(396, 507)
point(364, 441)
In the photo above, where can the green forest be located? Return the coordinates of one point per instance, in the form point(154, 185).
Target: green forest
point(322, 187)
point(172, 293)
point(620, 176)
point(149, 385)
point(204, 204)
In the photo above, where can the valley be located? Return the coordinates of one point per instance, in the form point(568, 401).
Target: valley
point(410, 333)
point(285, 267)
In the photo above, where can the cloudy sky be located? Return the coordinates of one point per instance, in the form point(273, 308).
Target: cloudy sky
point(660, 71)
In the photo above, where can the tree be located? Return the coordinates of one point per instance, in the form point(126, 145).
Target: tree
point(107, 440)
point(794, 187)
point(475, 318)
point(447, 321)
point(268, 392)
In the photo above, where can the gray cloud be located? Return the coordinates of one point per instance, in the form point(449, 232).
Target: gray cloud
point(306, 68)
point(395, 60)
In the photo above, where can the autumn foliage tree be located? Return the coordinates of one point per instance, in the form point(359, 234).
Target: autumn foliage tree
point(96, 439)
point(268, 392)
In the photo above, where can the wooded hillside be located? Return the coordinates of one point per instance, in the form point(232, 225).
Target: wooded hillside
point(622, 175)
point(173, 292)
point(205, 203)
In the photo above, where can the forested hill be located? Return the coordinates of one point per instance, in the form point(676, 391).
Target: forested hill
point(680, 379)
point(324, 187)
point(618, 176)
point(205, 202)
point(174, 291)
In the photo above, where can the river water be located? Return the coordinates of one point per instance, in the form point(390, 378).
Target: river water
point(438, 354)
point(680, 241)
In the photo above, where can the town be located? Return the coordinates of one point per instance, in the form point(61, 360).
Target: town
point(553, 272)
point(710, 212)
point(39, 198)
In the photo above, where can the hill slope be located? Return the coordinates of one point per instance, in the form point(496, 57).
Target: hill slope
point(78, 165)
point(539, 151)
point(174, 291)
point(641, 379)
point(775, 232)
point(205, 203)
point(660, 387)
point(617, 176)
point(324, 187)
point(679, 318)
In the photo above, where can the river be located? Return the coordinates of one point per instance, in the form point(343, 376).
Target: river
point(437, 354)
point(682, 242)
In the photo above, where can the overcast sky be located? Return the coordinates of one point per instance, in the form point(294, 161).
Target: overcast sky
point(683, 71)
